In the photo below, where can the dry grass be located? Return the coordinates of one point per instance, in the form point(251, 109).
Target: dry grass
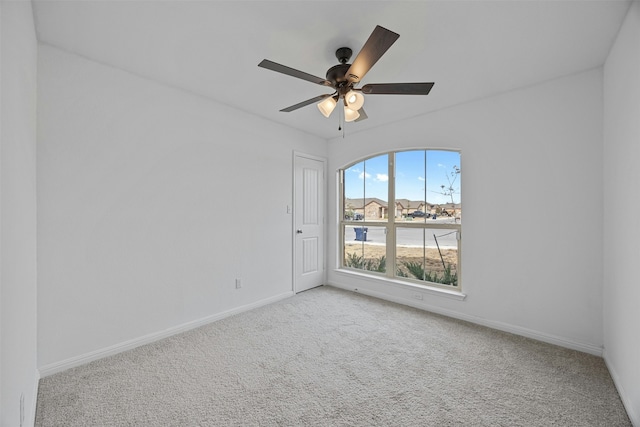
point(407, 254)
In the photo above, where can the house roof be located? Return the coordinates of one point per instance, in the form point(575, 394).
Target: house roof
point(360, 203)
point(451, 205)
point(406, 203)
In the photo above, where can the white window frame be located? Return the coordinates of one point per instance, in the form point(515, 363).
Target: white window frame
point(391, 226)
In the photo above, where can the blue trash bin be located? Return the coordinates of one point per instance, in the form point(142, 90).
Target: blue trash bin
point(361, 233)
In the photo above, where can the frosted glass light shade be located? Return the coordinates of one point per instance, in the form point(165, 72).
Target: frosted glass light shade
point(354, 100)
point(350, 115)
point(326, 106)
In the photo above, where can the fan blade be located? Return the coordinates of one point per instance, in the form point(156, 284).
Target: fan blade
point(363, 115)
point(304, 103)
point(397, 88)
point(273, 66)
point(376, 45)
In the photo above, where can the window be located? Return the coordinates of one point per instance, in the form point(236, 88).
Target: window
point(402, 216)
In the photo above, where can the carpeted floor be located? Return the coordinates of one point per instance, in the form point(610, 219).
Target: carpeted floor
point(328, 357)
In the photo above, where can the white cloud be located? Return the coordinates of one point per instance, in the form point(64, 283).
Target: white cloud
point(420, 178)
point(382, 177)
point(440, 165)
point(364, 175)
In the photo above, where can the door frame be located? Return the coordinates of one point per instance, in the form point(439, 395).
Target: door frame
point(294, 245)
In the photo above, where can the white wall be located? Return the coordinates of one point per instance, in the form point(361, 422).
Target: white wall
point(18, 335)
point(535, 152)
point(151, 202)
point(621, 227)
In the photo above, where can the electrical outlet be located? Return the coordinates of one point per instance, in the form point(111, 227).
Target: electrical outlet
point(238, 283)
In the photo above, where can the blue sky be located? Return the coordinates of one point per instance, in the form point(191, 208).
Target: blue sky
point(414, 175)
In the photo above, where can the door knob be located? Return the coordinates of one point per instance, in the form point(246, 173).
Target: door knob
point(299, 231)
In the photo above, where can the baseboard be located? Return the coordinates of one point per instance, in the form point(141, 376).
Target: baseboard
point(628, 406)
point(505, 327)
point(82, 359)
point(30, 420)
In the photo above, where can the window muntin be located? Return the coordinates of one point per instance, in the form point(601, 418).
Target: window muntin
point(418, 240)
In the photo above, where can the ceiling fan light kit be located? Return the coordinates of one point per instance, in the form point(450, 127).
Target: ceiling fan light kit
point(344, 77)
point(350, 115)
point(354, 100)
point(327, 106)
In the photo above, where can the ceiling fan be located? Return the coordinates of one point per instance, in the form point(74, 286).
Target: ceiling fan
point(344, 78)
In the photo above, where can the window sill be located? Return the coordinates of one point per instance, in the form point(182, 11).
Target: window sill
point(425, 289)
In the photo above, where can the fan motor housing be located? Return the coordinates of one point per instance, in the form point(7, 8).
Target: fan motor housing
point(337, 73)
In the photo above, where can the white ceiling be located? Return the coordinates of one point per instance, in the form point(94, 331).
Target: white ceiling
point(470, 49)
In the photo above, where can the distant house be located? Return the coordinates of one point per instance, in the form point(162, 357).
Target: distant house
point(405, 206)
point(450, 209)
point(374, 208)
point(370, 208)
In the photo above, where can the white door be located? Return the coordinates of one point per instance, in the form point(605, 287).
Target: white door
point(309, 189)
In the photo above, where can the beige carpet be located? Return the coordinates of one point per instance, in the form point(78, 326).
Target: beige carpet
point(327, 357)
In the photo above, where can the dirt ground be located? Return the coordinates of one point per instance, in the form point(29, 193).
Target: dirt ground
point(434, 263)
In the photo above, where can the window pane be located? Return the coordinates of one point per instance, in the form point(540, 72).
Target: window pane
point(365, 247)
point(354, 192)
point(366, 190)
point(410, 186)
point(427, 254)
point(427, 184)
point(443, 185)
